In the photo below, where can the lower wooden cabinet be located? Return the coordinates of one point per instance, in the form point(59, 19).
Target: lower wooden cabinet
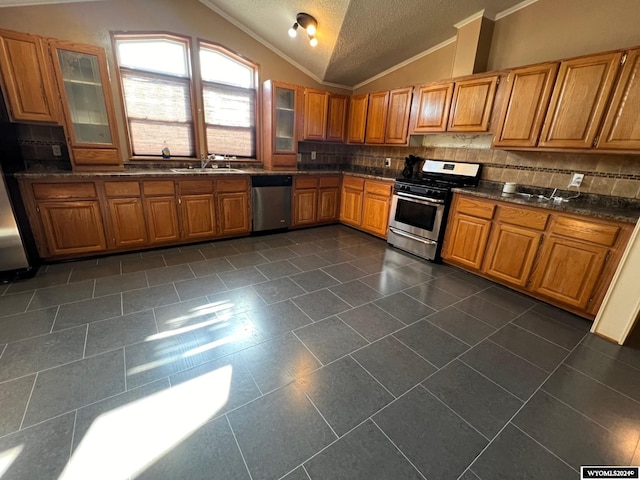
point(162, 219)
point(365, 204)
point(127, 221)
point(72, 227)
point(315, 200)
point(564, 259)
point(469, 237)
point(74, 218)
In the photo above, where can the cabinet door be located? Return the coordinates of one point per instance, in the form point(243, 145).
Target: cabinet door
point(72, 227)
point(198, 216)
point(328, 201)
point(284, 118)
point(578, 101)
point(375, 214)
point(511, 253)
point(377, 117)
point(336, 124)
point(87, 102)
point(621, 129)
point(316, 106)
point(305, 204)
point(472, 103)
point(398, 116)
point(467, 240)
point(351, 206)
point(431, 111)
point(162, 219)
point(569, 270)
point(527, 98)
point(26, 82)
point(234, 213)
point(127, 221)
point(357, 122)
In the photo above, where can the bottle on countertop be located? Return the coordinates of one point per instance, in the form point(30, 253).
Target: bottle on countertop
point(166, 153)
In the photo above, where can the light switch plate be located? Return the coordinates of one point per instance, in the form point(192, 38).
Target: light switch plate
point(57, 151)
point(313, 155)
point(387, 162)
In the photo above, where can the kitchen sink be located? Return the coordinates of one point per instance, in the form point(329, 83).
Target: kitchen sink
point(207, 170)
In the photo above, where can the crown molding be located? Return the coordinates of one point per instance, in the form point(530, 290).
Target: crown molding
point(470, 19)
point(515, 8)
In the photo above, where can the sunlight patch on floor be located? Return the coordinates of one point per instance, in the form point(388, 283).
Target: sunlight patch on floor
point(123, 442)
point(8, 457)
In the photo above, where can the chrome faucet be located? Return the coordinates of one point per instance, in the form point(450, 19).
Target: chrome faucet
point(204, 160)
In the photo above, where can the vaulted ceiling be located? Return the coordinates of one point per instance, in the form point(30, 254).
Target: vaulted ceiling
point(358, 39)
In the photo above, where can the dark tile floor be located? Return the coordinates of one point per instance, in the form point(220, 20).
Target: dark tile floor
point(315, 354)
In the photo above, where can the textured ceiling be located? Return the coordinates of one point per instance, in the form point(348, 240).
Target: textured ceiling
point(358, 39)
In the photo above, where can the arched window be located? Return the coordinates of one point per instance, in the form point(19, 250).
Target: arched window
point(159, 89)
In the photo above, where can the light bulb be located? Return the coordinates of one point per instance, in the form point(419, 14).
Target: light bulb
point(311, 29)
point(313, 42)
point(292, 30)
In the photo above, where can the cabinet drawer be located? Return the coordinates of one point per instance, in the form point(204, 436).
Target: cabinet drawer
point(378, 188)
point(306, 182)
point(122, 189)
point(95, 156)
point(591, 232)
point(327, 182)
point(475, 208)
point(523, 217)
point(232, 185)
point(196, 186)
point(64, 190)
point(353, 182)
point(158, 187)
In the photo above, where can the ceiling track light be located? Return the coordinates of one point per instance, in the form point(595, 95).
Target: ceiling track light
point(309, 24)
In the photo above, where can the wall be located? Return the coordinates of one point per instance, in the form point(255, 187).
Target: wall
point(552, 30)
point(430, 68)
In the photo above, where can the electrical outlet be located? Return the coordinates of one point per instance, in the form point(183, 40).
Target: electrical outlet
point(57, 152)
point(576, 181)
point(313, 155)
point(387, 162)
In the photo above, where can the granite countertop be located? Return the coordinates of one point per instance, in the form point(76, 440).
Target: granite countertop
point(168, 172)
point(598, 206)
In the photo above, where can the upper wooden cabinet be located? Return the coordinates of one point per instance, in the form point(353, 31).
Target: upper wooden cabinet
point(358, 105)
point(376, 117)
point(325, 115)
point(316, 107)
point(621, 128)
point(388, 116)
point(528, 92)
point(337, 117)
point(26, 80)
point(472, 104)
point(282, 125)
point(430, 110)
point(82, 76)
point(579, 100)
point(398, 116)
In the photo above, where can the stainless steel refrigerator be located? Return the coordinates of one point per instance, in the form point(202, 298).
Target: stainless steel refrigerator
point(18, 253)
point(13, 254)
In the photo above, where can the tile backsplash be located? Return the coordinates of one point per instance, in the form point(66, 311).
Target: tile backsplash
point(616, 175)
point(35, 143)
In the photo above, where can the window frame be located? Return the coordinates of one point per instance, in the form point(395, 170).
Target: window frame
point(196, 90)
point(256, 88)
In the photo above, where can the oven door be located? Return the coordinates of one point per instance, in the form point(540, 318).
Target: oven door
point(414, 225)
point(416, 215)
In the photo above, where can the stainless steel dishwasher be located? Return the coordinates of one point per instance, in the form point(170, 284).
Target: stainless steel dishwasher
point(271, 202)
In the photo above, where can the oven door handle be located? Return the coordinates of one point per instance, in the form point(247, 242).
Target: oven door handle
point(412, 237)
point(424, 200)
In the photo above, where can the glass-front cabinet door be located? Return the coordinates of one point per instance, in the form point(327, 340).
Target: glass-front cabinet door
point(285, 104)
point(83, 82)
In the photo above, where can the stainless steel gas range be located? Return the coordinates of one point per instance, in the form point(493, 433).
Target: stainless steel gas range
point(419, 206)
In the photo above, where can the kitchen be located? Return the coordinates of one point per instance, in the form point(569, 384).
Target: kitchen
point(604, 174)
